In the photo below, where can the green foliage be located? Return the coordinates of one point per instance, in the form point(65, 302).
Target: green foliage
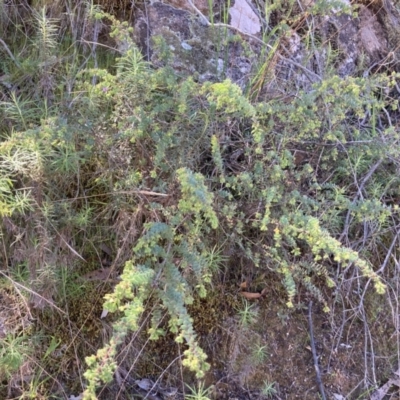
point(228, 97)
point(247, 314)
point(268, 390)
point(259, 354)
point(162, 241)
point(134, 286)
point(14, 350)
point(179, 177)
point(195, 197)
point(46, 35)
point(201, 393)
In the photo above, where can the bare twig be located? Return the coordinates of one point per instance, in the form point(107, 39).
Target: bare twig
point(10, 54)
point(358, 195)
point(133, 192)
point(16, 284)
point(388, 254)
point(156, 383)
point(380, 393)
point(314, 353)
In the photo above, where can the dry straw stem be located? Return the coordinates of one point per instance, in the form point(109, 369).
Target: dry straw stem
point(16, 284)
point(10, 53)
point(143, 192)
point(314, 353)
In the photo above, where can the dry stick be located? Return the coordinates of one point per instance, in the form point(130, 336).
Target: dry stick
point(138, 192)
point(16, 285)
point(368, 336)
point(357, 196)
point(9, 53)
point(133, 338)
point(155, 385)
point(147, 33)
point(339, 335)
point(389, 253)
point(314, 353)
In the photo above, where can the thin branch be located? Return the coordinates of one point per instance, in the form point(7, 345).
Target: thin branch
point(138, 192)
point(32, 292)
point(156, 384)
point(388, 254)
point(314, 353)
point(10, 54)
point(358, 195)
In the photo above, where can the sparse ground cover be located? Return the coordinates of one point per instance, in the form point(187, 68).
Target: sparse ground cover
point(174, 197)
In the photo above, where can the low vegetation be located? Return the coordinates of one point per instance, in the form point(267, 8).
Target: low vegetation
point(143, 210)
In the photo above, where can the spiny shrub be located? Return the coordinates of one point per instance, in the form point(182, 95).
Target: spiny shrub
point(191, 133)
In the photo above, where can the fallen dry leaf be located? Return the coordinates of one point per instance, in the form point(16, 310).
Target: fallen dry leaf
point(380, 393)
point(250, 295)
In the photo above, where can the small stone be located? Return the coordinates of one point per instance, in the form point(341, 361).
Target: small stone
point(186, 46)
point(145, 384)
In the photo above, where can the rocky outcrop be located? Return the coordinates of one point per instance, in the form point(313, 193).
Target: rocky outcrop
point(180, 36)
